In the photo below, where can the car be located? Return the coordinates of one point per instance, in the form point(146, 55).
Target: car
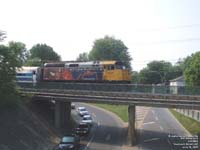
point(69, 142)
point(82, 129)
point(87, 119)
point(82, 111)
point(72, 106)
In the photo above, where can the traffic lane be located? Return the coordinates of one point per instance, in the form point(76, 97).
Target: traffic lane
point(172, 127)
point(109, 131)
point(152, 137)
point(169, 123)
point(157, 126)
point(87, 138)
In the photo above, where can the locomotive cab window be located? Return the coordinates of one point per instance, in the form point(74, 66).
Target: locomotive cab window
point(112, 67)
point(109, 67)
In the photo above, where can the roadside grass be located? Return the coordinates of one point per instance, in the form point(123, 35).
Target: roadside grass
point(190, 124)
point(119, 110)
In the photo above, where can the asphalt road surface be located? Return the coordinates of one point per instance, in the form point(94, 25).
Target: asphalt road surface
point(157, 129)
point(107, 131)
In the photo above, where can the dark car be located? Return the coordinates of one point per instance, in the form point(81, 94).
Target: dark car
point(82, 129)
point(73, 106)
point(69, 142)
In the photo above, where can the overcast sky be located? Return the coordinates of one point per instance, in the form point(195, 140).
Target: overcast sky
point(151, 29)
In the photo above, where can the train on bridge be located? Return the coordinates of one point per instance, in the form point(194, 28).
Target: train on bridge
point(92, 71)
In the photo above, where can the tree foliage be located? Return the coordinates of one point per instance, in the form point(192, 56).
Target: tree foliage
point(192, 70)
point(41, 53)
point(83, 57)
point(159, 72)
point(109, 48)
point(11, 57)
point(183, 63)
point(2, 35)
point(135, 77)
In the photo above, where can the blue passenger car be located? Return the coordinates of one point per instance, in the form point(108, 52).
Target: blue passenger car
point(25, 74)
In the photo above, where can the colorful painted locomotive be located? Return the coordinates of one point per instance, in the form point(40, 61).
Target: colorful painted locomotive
point(93, 71)
point(86, 71)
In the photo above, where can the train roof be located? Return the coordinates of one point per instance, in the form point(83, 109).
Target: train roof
point(61, 64)
point(27, 69)
point(83, 64)
point(110, 62)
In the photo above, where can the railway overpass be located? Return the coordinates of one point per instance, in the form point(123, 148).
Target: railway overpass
point(132, 95)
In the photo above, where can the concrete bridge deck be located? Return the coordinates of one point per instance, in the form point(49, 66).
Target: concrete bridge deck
point(140, 99)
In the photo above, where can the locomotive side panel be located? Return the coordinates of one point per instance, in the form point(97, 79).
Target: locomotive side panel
point(52, 73)
point(99, 71)
point(91, 75)
point(64, 74)
point(115, 71)
point(116, 75)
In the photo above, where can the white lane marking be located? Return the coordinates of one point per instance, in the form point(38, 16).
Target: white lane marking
point(108, 137)
point(93, 114)
point(153, 139)
point(161, 128)
point(168, 142)
point(153, 111)
point(91, 139)
point(156, 118)
point(146, 123)
point(88, 144)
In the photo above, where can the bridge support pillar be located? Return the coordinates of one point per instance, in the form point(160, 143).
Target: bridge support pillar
point(62, 113)
point(131, 128)
point(66, 113)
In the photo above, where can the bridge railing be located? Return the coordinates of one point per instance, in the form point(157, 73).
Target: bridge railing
point(134, 88)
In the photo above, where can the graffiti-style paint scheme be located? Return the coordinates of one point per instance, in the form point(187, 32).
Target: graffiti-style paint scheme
point(88, 75)
point(67, 75)
point(52, 73)
point(91, 71)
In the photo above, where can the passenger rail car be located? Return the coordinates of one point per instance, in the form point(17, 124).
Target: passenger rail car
point(25, 74)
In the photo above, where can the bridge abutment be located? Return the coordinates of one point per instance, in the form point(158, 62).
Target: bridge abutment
point(62, 113)
point(131, 127)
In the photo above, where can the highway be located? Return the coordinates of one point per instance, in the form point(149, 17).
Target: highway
point(107, 132)
point(156, 128)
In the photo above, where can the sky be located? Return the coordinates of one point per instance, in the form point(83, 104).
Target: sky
point(151, 29)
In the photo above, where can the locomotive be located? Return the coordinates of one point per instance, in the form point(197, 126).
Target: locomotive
point(92, 71)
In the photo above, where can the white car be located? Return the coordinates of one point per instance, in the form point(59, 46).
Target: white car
point(87, 119)
point(82, 111)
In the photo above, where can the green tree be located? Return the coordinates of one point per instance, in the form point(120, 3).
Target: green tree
point(183, 63)
point(149, 77)
point(159, 72)
point(192, 71)
point(41, 53)
point(135, 77)
point(109, 48)
point(2, 35)
point(83, 57)
point(11, 57)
